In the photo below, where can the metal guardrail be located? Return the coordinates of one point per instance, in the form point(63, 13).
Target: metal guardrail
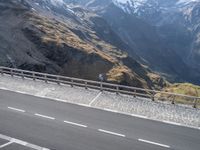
point(103, 86)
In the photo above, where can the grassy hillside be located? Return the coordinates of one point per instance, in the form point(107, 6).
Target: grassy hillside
point(184, 89)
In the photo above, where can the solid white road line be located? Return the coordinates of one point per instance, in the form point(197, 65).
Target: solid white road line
point(76, 124)
point(110, 110)
point(112, 133)
point(60, 100)
point(6, 144)
point(173, 123)
point(139, 116)
point(44, 116)
point(95, 99)
point(19, 142)
point(3, 88)
point(45, 149)
point(16, 109)
point(5, 137)
point(154, 143)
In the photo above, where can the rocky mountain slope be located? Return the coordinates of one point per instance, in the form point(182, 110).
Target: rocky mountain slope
point(55, 37)
point(177, 23)
point(164, 33)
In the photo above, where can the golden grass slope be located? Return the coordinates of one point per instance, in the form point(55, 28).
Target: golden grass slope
point(183, 89)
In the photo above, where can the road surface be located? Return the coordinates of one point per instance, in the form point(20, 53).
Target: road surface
point(62, 126)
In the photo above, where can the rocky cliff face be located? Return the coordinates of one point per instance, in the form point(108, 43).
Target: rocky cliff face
point(54, 37)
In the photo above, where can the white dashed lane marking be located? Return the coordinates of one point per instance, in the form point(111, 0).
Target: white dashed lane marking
point(112, 133)
point(16, 109)
point(76, 124)
point(84, 126)
point(44, 116)
point(154, 143)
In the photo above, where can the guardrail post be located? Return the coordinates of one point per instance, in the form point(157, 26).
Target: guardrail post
point(22, 74)
point(72, 83)
point(195, 102)
point(45, 78)
point(117, 90)
point(58, 80)
point(1, 70)
point(173, 99)
point(134, 94)
point(86, 85)
point(33, 76)
point(11, 72)
point(153, 96)
point(101, 86)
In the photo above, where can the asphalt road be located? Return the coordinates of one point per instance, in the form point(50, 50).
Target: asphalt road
point(63, 126)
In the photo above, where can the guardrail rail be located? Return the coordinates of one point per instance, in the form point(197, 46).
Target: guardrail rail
point(103, 86)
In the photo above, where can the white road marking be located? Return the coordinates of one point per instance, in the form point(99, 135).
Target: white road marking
point(20, 142)
point(139, 116)
point(5, 137)
point(59, 100)
point(6, 144)
point(44, 116)
point(21, 92)
point(76, 124)
point(95, 99)
point(154, 143)
point(34, 146)
point(84, 105)
point(113, 133)
point(173, 123)
point(16, 109)
point(110, 110)
point(3, 88)
point(45, 149)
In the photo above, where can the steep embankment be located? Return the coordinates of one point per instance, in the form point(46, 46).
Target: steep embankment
point(41, 36)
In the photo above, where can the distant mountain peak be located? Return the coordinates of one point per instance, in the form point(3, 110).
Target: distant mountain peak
point(138, 6)
point(56, 2)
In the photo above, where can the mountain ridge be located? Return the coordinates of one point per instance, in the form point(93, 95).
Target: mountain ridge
point(69, 41)
point(165, 34)
point(81, 38)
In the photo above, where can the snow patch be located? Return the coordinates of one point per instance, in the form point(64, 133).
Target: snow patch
point(135, 6)
point(129, 5)
point(56, 1)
